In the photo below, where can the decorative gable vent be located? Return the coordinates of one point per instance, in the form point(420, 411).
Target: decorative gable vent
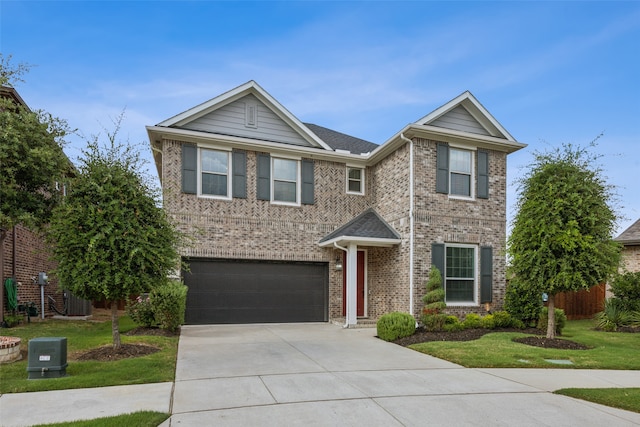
point(251, 114)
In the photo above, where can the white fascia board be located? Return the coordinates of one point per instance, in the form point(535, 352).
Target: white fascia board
point(456, 136)
point(251, 87)
point(361, 241)
point(157, 133)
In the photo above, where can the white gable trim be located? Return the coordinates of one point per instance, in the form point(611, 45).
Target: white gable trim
point(477, 111)
point(241, 91)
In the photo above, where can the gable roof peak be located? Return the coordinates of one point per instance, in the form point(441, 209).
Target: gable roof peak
point(466, 113)
point(249, 88)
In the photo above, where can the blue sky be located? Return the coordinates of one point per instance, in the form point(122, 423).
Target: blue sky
point(549, 72)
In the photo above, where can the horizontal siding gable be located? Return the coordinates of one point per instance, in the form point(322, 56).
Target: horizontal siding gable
point(230, 119)
point(461, 120)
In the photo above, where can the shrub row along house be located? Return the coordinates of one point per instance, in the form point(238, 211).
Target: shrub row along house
point(294, 222)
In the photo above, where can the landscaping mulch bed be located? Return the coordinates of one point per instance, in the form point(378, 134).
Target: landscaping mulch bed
point(108, 353)
point(141, 330)
point(421, 335)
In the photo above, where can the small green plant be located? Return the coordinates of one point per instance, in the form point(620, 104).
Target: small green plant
point(452, 324)
point(613, 315)
point(488, 322)
point(561, 320)
point(140, 311)
point(12, 320)
point(392, 326)
point(472, 321)
point(169, 303)
point(503, 319)
point(432, 316)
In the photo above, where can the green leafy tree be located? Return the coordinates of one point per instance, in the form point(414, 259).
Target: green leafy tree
point(562, 233)
point(32, 163)
point(112, 240)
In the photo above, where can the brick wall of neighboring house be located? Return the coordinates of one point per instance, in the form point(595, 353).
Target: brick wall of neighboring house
point(31, 257)
point(441, 219)
point(631, 258)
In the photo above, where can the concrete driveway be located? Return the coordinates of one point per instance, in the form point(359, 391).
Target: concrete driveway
point(323, 375)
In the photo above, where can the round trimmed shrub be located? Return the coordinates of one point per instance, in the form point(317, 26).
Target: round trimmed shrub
point(392, 326)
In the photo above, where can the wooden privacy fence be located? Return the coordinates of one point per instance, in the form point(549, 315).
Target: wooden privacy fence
point(582, 304)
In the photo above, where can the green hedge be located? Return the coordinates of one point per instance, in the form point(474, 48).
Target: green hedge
point(169, 302)
point(392, 326)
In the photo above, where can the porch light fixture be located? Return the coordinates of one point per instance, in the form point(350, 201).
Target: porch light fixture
point(338, 264)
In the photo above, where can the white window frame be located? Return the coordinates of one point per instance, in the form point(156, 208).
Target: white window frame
point(472, 180)
point(361, 192)
point(298, 181)
point(229, 173)
point(476, 275)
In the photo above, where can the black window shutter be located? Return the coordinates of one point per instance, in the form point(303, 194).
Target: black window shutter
point(486, 274)
point(442, 169)
point(189, 168)
point(307, 182)
point(437, 257)
point(239, 182)
point(264, 177)
point(483, 175)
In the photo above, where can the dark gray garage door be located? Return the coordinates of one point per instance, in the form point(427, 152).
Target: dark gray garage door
point(232, 291)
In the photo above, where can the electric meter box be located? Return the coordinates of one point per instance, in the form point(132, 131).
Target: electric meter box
point(47, 358)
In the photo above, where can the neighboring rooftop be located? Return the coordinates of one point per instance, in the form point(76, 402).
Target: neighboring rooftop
point(341, 141)
point(630, 236)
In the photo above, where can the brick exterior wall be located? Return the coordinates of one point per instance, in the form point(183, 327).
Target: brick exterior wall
point(631, 258)
point(32, 256)
point(440, 219)
point(258, 230)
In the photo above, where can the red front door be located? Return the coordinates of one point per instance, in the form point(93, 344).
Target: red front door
point(359, 288)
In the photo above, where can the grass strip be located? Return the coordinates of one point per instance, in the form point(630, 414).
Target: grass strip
point(622, 398)
point(138, 419)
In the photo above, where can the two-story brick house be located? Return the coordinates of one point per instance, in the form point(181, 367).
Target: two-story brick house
point(280, 211)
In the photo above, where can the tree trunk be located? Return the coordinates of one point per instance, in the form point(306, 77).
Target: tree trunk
point(115, 332)
point(551, 322)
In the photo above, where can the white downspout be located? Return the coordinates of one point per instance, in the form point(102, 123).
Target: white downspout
point(411, 221)
point(346, 251)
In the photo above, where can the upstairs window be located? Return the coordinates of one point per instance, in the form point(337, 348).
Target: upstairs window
point(458, 175)
point(355, 180)
point(285, 180)
point(460, 170)
point(214, 173)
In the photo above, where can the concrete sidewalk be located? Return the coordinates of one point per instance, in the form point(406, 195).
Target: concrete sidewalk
point(321, 374)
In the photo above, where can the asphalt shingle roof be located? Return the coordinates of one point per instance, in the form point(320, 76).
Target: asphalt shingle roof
point(368, 224)
point(341, 141)
point(631, 234)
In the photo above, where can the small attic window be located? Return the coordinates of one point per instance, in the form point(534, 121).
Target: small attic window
point(251, 114)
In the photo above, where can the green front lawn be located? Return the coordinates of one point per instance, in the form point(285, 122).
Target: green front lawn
point(82, 336)
point(609, 350)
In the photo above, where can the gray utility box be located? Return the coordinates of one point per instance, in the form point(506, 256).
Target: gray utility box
point(47, 358)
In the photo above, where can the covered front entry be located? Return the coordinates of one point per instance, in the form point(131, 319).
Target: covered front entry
point(360, 284)
point(237, 291)
point(366, 230)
